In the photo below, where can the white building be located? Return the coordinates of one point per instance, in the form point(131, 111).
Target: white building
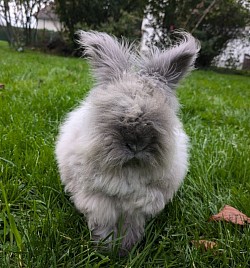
point(47, 19)
point(236, 54)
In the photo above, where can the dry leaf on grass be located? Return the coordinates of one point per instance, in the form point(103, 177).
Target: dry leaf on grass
point(231, 214)
point(1, 86)
point(204, 244)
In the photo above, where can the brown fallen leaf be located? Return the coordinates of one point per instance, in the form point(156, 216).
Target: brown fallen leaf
point(204, 244)
point(1, 86)
point(231, 214)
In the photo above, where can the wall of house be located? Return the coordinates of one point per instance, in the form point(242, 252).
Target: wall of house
point(49, 25)
point(235, 52)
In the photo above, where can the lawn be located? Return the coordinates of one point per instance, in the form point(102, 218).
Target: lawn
point(39, 226)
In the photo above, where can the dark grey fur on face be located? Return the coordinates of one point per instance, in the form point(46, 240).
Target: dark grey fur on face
point(123, 152)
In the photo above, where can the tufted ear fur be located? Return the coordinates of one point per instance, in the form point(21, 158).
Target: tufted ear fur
point(108, 58)
point(172, 64)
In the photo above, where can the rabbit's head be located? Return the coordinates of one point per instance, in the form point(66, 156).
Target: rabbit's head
point(134, 103)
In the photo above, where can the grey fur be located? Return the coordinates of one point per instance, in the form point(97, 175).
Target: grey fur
point(123, 152)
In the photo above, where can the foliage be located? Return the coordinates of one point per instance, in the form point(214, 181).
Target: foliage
point(213, 22)
point(39, 226)
point(112, 16)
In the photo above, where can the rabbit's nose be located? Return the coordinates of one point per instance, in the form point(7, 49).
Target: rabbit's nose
point(132, 147)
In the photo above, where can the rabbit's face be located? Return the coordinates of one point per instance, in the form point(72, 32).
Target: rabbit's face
point(139, 141)
point(133, 126)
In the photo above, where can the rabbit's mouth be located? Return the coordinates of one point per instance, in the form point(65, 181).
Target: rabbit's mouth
point(141, 159)
point(133, 162)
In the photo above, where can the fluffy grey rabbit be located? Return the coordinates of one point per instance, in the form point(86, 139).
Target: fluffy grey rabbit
point(123, 153)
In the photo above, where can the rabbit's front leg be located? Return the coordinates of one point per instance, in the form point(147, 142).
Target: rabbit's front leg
point(132, 231)
point(100, 211)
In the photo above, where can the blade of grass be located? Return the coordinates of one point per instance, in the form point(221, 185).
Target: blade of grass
point(12, 223)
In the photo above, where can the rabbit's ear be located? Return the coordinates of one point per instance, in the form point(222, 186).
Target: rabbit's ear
point(108, 58)
point(174, 63)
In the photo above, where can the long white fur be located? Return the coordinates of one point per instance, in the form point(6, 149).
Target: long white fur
point(98, 170)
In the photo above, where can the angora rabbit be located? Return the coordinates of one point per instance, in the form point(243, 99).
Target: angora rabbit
point(122, 154)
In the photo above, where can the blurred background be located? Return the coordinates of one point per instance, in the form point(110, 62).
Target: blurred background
point(222, 26)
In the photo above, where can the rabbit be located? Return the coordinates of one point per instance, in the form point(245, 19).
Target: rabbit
point(123, 153)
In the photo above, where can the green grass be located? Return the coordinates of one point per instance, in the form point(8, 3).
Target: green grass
point(39, 227)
